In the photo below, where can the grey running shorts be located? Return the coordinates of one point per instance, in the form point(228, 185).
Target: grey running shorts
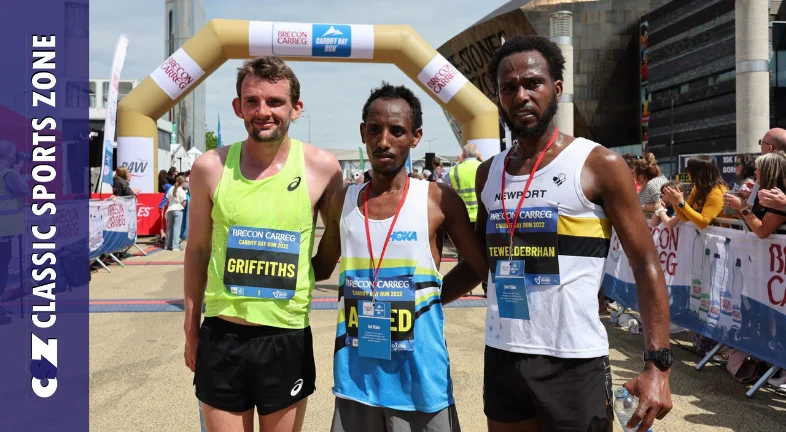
point(351, 416)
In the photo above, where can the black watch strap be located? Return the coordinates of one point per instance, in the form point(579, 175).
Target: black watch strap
point(662, 358)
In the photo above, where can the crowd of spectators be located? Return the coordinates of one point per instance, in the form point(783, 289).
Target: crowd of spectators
point(756, 199)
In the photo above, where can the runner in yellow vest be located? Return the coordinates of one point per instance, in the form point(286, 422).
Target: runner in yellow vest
point(462, 178)
point(251, 233)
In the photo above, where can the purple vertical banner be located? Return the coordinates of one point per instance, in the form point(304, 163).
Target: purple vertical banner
point(44, 185)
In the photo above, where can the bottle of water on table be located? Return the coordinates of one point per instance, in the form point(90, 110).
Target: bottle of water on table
point(625, 405)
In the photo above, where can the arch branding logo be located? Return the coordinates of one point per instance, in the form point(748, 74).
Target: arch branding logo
point(178, 73)
point(442, 78)
point(310, 40)
point(137, 167)
point(332, 41)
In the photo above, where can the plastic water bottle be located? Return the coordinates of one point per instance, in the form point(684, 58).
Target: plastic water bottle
point(726, 300)
point(713, 296)
point(696, 269)
point(736, 296)
point(704, 303)
point(625, 405)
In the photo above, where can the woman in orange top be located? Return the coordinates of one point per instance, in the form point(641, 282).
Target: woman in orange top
point(705, 202)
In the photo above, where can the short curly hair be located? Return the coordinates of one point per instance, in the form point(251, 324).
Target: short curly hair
point(389, 91)
point(271, 69)
point(517, 44)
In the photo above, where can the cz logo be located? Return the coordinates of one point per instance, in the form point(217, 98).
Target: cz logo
point(295, 183)
point(404, 236)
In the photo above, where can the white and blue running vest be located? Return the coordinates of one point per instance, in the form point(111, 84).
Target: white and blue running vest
point(417, 377)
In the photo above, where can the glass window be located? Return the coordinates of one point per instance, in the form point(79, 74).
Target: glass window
point(123, 89)
point(163, 140)
point(76, 20)
point(780, 69)
point(105, 91)
point(92, 94)
point(74, 95)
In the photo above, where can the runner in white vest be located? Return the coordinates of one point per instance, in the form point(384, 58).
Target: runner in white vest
point(548, 207)
point(391, 366)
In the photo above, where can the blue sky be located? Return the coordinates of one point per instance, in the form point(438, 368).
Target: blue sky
point(333, 93)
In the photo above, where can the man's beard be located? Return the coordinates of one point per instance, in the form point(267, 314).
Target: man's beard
point(264, 136)
point(539, 128)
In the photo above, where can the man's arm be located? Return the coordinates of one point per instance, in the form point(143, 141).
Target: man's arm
point(207, 170)
point(600, 180)
point(460, 231)
point(329, 251)
point(329, 172)
point(462, 279)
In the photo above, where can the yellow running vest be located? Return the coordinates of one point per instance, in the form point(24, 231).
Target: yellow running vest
point(263, 236)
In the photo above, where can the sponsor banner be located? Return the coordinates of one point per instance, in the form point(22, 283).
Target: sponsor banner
point(727, 164)
point(724, 283)
point(442, 78)
point(112, 225)
point(177, 74)
point(44, 270)
point(111, 109)
point(137, 154)
point(287, 39)
point(148, 213)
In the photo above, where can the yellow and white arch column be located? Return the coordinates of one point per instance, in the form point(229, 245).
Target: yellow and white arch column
point(221, 40)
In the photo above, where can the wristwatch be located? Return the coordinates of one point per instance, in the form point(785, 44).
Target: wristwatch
point(663, 358)
point(746, 211)
point(681, 205)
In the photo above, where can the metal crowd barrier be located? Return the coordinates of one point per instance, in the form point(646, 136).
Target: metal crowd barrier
point(741, 225)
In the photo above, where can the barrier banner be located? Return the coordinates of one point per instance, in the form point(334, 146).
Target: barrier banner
point(112, 225)
point(148, 215)
point(723, 283)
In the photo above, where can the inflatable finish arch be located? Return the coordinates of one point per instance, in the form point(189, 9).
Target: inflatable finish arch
point(221, 40)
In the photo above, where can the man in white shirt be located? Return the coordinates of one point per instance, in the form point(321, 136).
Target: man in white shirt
point(774, 140)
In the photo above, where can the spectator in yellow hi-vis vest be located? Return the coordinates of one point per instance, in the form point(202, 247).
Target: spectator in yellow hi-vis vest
point(462, 178)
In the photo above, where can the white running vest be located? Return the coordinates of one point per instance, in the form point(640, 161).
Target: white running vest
point(563, 239)
point(417, 376)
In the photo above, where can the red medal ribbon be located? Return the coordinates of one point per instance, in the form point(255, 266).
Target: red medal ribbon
point(374, 265)
point(512, 227)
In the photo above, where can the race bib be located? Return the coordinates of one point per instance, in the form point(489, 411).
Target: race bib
point(374, 330)
point(511, 286)
point(261, 262)
point(536, 243)
point(398, 292)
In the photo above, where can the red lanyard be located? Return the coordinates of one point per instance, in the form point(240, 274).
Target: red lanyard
point(375, 266)
point(512, 227)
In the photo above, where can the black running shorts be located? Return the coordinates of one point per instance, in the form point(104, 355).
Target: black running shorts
point(239, 367)
point(564, 394)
